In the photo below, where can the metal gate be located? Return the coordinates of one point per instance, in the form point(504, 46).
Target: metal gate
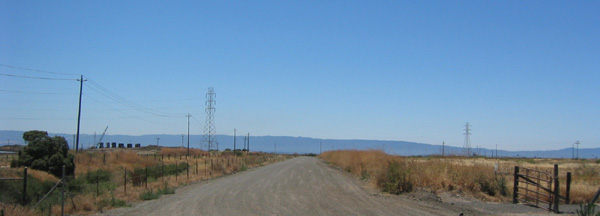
point(539, 188)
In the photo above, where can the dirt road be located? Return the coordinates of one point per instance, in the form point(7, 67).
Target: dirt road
point(299, 186)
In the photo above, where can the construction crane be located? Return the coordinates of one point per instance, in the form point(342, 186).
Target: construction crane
point(103, 133)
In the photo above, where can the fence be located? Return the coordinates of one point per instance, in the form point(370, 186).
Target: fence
point(24, 178)
point(111, 184)
point(539, 188)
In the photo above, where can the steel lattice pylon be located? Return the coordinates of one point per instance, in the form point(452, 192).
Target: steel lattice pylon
point(467, 146)
point(209, 129)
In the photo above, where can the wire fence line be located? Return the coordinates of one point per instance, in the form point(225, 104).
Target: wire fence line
point(172, 170)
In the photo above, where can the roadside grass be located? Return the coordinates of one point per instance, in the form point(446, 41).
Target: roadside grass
point(99, 180)
point(476, 177)
point(150, 195)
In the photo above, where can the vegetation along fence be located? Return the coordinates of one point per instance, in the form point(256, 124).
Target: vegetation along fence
point(114, 178)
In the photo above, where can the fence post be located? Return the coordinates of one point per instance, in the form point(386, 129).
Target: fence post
point(556, 189)
point(516, 185)
point(125, 182)
point(146, 178)
point(97, 183)
point(25, 186)
point(568, 195)
point(62, 194)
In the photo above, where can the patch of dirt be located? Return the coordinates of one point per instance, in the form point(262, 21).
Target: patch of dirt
point(423, 195)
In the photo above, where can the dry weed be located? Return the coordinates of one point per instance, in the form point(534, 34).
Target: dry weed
point(484, 178)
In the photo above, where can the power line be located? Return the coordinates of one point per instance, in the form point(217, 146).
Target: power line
point(31, 77)
point(25, 92)
point(35, 70)
point(127, 116)
point(110, 95)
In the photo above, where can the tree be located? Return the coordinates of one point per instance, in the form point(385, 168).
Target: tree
point(46, 153)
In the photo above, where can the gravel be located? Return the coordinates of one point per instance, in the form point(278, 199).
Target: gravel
point(307, 186)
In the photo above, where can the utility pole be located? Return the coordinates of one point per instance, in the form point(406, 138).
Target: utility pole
point(248, 142)
point(467, 146)
point(245, 143)
point(320, 147)
point(573, 151)
point(234, 130)
point(79, 113)
point(443, 143)
point(577, 143)
point(188, 137)
point(157, 141)
point(496, 150)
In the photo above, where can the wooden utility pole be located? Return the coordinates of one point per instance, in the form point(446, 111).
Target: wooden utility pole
point(188, 137)
point(79, 113)
point(234, 131)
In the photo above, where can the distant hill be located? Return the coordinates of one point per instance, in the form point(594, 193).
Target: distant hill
point(287, 144)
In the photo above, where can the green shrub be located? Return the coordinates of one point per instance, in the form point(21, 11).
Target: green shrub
point(486, 185)
point(395, 180)
point(12, 191)
point(364, 175)
point(46, 153)
point(587, 210)
point(149, 195)
point(502, 186)
point(167, 191)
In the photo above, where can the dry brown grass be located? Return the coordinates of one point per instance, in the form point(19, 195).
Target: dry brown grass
point(18, 173)
point(181, 151)
point(471, 176)
point(118, 160)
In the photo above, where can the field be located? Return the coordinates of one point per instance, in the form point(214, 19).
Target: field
point(470, 176)
point(105, 179)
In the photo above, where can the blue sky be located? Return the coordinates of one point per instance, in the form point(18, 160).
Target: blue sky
point(524, 74)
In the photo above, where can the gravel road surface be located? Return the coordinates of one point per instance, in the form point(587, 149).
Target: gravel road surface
point(299, 186)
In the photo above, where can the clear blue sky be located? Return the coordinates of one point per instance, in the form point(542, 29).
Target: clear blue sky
point(525, 74)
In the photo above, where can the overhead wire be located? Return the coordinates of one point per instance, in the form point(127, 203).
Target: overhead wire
point(127, 116)
point(32, 77)
point(110, 95)
point(93, 86)
point(36, 70)
point(25, 92)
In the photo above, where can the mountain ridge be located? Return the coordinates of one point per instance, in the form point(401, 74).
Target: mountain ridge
point(303, 145)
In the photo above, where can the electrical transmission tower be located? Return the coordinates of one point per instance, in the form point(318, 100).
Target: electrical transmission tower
point(209, 128)
point(577, 143)
point(467, 146)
